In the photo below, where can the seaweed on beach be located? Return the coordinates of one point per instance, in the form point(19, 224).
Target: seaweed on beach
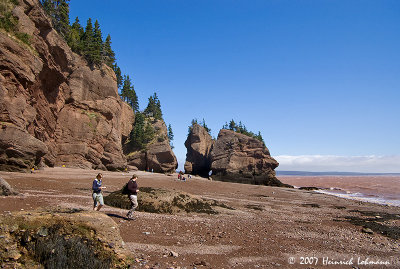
point(309, 188)
point(338, 207)
point(255, 207)
point(312, 205)
point(375, 222)
point(50, 240)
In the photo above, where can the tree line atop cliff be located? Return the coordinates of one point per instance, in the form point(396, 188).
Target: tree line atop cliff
point(233, 126)
point(89, 43)
point(241, 128)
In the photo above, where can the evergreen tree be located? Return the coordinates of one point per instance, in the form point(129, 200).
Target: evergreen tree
point(142, 132)
point(193, 122)
point(232, 125)
point(133, 99)
point(88, 42)
point(126, 85)
point(97, 45)
point(62, 17)
point(170, 135)
point(58, 10)
point(128, 94)
point(75, 37)
point(154, 107)
point(206, 127)
point(259, 137)
point(118, 74)
point(49, 7)
point(241, 128)
point(108, 53)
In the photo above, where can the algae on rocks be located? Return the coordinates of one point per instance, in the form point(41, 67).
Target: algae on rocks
point(59, 238)
point(156, 200)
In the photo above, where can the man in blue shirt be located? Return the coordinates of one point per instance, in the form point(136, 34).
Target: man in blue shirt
point(98, 201)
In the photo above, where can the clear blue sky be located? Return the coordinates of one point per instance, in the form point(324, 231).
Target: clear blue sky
point(315, 77)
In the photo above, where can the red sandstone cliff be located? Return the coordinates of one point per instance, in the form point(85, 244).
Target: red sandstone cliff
point(55, 109)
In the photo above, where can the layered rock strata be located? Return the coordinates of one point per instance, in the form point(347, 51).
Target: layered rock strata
point(199, 145)
point(239, 158)
point(54, 108)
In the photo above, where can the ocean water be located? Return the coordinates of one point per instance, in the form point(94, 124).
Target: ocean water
point(375, 189)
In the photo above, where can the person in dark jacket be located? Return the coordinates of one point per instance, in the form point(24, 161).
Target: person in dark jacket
point(98, 201)
point(133, 189)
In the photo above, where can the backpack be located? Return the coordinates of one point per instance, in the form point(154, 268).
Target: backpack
point(125, 189)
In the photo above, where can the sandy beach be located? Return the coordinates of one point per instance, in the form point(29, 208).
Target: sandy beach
point(269, 227)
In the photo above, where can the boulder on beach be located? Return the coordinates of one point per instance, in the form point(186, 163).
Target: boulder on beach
point(61, 238)
point(156, 200)
point(6, 189)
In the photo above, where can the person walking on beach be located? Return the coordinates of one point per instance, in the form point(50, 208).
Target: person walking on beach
point(132, 190)
point(98, 200)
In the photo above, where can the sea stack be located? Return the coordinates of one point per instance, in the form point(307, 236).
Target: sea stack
point(199, 145)
point(157, 156)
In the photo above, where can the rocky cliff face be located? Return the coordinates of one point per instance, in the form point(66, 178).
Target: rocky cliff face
point(240, 158)
point(54, 109)
point(199, 145)
point(158, 155)
point(233, 157)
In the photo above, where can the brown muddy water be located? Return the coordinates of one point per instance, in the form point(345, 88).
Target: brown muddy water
point(376, 189)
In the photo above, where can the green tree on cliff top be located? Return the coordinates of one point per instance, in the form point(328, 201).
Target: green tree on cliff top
point(170, 135)
point(119, 76)
point(128, 94)
point(241, 128)
point(97, 45)
point(153, 108)
point(88, 42)
point(59, 13)
point(142, 132)
point(75, 37)
point(108, 53)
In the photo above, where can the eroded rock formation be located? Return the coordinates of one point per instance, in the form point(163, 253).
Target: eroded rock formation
point(232, 157)
point(239, 158)
point(54, 108)
point(158, 155)
point(199, 145)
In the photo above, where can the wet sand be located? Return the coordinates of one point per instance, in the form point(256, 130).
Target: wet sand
point(383, 189)
point(269, 227)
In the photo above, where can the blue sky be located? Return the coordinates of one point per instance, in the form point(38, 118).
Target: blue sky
point(317, 78)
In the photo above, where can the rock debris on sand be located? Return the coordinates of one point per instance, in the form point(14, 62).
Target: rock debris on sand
point(242, 238)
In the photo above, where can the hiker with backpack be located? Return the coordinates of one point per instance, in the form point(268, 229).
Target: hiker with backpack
point(98, 201)
point(132, 189)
